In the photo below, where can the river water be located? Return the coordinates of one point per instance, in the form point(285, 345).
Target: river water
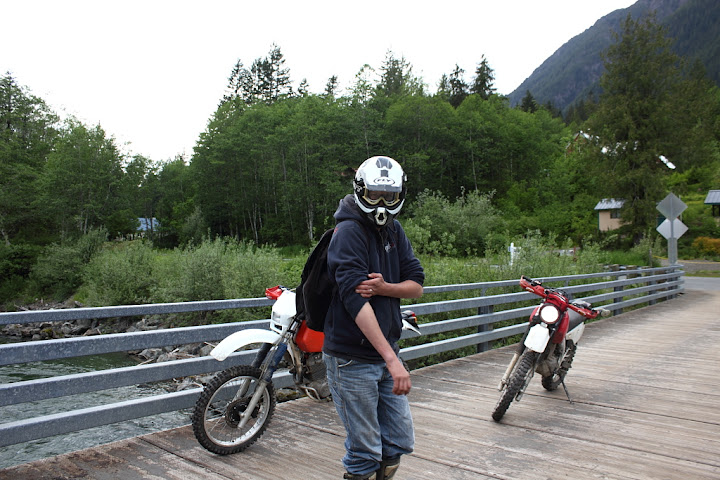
point(47, 447)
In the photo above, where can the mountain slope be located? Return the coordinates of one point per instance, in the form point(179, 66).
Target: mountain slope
point(574, 69)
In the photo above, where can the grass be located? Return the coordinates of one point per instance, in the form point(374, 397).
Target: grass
point(704, 273)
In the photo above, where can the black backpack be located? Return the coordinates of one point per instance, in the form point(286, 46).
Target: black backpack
point(317, 288)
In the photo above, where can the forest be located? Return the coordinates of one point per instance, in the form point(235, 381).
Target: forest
point(274, 161)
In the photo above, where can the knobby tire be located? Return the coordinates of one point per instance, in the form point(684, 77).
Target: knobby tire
point(216, 414)
point(515, 384)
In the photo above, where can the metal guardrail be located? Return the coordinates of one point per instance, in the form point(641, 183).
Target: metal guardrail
point(624, 289)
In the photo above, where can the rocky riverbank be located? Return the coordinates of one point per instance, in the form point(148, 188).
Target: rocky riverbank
point(90, 327)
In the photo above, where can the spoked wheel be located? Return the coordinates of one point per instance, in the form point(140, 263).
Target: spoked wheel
point(520, 377)
point(552, 382)
point(218, 412)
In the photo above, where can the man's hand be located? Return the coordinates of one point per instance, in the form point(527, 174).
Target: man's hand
point(401, 377)
point(374, 285)
point(367, 322)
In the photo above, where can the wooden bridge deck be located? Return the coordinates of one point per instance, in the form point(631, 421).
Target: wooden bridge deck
point(646, 393)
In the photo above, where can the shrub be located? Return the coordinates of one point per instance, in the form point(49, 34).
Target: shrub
point(15, 266)
point(121, 274)
point(192, 273)
point(58, 270)
point(707, 246)
point(441, 227)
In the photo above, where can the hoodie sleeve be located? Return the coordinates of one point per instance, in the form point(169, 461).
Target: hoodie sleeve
point(410, 267)
point(348, 262)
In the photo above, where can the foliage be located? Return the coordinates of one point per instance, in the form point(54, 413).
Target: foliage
point(15, 264)
point(58, 270)
point(81, 182)
point(440, 226)
point(484, 80)
point(119, 274)
point(28, 129)
point(217, 269)
point(635, 125)
point(272, 165)
point(134, 273)
point(265, 81)
point(707, 247)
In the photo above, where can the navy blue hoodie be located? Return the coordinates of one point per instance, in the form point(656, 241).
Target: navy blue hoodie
point(358, 248)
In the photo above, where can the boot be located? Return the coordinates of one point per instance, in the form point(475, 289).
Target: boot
point(388, 468)
point(367, 476)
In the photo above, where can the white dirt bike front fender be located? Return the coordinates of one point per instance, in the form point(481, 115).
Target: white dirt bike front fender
point(537, 338)
point(241, 339)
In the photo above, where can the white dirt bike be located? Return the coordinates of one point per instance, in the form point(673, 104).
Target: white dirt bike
point(236, 404)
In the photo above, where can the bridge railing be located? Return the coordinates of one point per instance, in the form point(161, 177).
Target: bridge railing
point(613, 290)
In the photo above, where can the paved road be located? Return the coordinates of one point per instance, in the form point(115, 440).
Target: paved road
point(710, 284)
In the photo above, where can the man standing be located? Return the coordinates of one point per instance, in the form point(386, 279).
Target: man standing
point(374, 266)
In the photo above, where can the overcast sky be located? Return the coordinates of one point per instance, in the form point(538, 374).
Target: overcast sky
point(152, 72)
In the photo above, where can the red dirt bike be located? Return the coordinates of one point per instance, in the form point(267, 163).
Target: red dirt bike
point(548, 345)
point(236, 404)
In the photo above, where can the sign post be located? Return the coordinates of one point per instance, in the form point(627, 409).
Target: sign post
point(672, 228)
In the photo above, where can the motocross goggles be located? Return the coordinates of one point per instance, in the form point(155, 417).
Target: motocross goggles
point(374, 197)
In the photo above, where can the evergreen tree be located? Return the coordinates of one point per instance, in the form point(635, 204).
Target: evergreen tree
point(331, 86)
point(303, 88)
point(279, 76)
point(265, 81)
point(635, 121)
point(528, 103)
point(240, 85)
point(483, 82)
point(458, 87)
point(27, 134)
point(397, 78)
point(443, 88)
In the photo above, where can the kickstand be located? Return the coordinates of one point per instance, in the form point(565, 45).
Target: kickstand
point(566, 390)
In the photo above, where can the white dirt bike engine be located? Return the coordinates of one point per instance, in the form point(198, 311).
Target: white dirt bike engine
point(314, 372)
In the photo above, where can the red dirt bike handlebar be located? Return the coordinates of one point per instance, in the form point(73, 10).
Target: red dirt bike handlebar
point(536, 287)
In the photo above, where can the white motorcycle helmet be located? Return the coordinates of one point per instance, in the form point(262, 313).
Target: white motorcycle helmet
point(379, 188)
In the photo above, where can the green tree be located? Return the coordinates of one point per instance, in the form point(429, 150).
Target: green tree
point(443, 88)
point(267, 80)
point(27, 132)
point(361, 103)
point(81, 183)
point(397, 78)
point(484, 80)
point(181, 222)
point(528, 103)
point(636, 121)
point(240, 85)
point(332, 86)
point(458, 86)
point(421, 135)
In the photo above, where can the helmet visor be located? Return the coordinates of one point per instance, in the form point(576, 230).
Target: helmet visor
point(375, 197)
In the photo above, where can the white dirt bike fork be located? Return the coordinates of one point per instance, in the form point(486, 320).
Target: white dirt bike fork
point(508, 371)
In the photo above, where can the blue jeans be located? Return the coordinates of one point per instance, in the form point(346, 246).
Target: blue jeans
point(378, 423)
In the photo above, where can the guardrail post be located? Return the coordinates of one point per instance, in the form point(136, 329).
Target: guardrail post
point(484, 346)
point(617, 268)
point(674, 269)
point(652, 292)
